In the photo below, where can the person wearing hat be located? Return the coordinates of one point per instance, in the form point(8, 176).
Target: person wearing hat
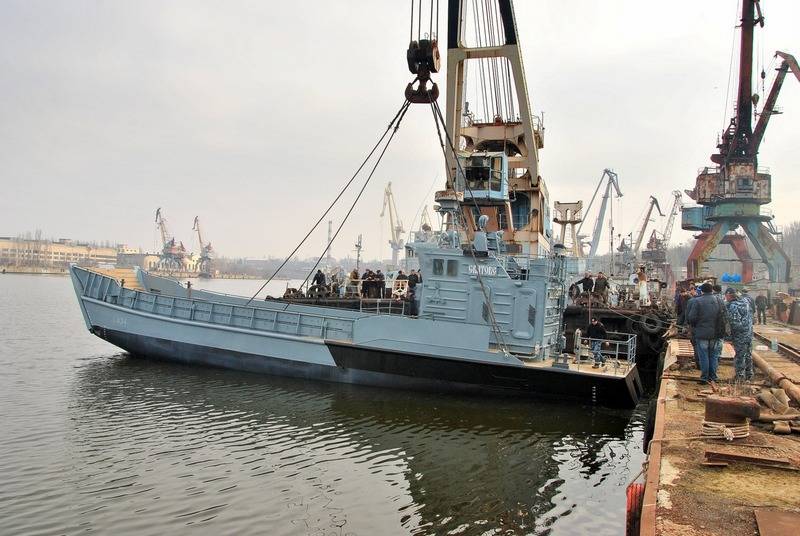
point(703, 315)
point(750, 301)
point(741, 320)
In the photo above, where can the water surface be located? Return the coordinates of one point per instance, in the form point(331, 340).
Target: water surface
point(95, 440)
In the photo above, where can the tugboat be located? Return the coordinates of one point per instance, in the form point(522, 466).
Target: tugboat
point(487, 316)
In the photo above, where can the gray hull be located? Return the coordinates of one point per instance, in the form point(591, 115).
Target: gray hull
point(143, 328)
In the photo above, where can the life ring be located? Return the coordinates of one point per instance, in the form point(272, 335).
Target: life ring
point(633, 508)
point(317, 291)
point(650, 324)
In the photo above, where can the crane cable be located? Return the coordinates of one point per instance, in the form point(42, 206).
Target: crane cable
point(346, 186)
point(439, 118)
point(399, 117)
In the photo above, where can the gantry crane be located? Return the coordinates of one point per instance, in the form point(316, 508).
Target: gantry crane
point(730, 194)
point(396, 229)
point(612, 181)
point(172, 252)
point(206, 251)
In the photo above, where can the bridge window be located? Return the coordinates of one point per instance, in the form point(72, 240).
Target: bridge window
point(438, 266)
point(521, 210)
point(452, 268)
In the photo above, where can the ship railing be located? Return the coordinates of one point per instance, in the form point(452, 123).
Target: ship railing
point(618, 350)
point(384, 306)
point(285, 322)
point(524, 267)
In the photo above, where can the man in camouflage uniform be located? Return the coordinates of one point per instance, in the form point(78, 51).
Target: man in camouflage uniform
point(741, 320)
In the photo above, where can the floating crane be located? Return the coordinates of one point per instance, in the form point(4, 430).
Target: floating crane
point(612, 180)
point(396, 229)
point(731, 192)
point(493, 167)
point(206, 251)
point(172, 253)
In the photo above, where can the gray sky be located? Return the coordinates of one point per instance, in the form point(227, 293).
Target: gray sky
point(252, 114)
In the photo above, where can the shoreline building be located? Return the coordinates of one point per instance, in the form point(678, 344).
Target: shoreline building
point(44, 253)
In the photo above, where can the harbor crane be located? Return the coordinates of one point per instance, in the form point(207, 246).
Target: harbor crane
point(730, 193)
point(172, 252)
point(657, 244)
point(661, 243)
point(396, 229)
point(640, 236)
point(611, 181)
point(206, 251)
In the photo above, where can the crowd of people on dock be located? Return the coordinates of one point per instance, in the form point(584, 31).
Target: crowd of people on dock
point(713, 316)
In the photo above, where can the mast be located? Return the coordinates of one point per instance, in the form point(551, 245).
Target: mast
point(520, 205)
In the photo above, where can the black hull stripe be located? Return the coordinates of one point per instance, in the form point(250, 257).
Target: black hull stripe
point(534, 381)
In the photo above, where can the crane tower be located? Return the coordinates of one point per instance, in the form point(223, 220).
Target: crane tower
point(731, 192)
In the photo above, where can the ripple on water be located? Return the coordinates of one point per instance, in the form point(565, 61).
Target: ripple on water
point(99, 441)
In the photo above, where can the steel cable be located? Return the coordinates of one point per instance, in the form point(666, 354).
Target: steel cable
point(400, 117)
point(341, 193)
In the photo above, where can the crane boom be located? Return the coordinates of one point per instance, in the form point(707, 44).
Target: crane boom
point(666, 234)
point(396, 229)
point(162, 227)
point(612, 181)
point(640, 236)
point(789, 62)
point(196, 227)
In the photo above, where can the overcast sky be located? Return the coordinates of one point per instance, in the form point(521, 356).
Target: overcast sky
point(252, 114)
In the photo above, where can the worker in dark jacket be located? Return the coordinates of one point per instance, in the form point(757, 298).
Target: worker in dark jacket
point(319, 278)
point(587, 283)
point(597, 334)
point(601, 287)
point(413, 279)
point(703, 315)
point(761, 308)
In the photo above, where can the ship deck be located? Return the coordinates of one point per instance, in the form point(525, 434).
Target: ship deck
point(612, 368)
point(689, 493)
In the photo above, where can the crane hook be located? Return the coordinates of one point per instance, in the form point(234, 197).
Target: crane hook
point(423, 59)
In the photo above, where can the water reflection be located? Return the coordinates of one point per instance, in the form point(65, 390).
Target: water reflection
point(163, 445)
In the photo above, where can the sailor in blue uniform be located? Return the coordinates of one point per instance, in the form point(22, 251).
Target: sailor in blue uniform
point(741, 320)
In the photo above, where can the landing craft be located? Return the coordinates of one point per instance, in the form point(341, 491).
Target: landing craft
point(486, 316)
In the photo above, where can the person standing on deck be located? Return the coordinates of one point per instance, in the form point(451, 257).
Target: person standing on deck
point(761, 308)
point(703, 315)
point(597, 334)
point(601, 287)
point(741, 319)
point(413, 279)
point(641, 279)
point(319, 278)
point(587, 283)
point(380, 284)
